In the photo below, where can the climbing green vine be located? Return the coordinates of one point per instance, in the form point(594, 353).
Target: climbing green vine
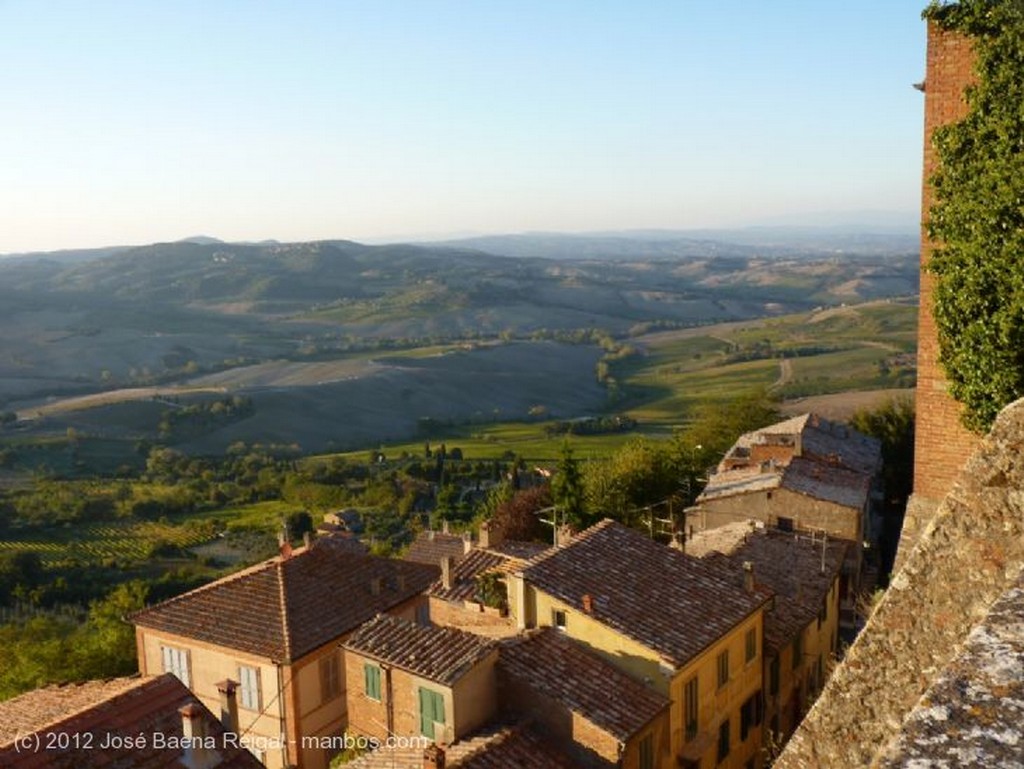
point(977, 221)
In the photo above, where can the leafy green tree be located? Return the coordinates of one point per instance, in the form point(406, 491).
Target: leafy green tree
point(299, 524)
point(567, 489)
point(977, 220)
point(638, 475)
point(892, 423)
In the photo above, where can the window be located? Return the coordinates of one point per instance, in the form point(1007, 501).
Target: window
point(431, 712)
point(798, 650)
point(647, 752)
point(330, 678)
point(750, 715)
point(785, 524)
point(723, 741)
point(176, 662)
point(723, 668)
point(558, 618)
point(249, 687)
point(690, 712)
point(773, 676)
point(371, 678)
point(751, 644)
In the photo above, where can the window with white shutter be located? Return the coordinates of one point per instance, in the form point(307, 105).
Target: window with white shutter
point(176, 662)
point(249, 687)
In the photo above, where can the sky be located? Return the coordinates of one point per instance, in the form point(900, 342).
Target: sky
point(141, 121)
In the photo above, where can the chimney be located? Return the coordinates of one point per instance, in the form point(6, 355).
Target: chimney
point(444, 526)
point(433, 757)
point(284, 547)
point(748, 576)
point(228, 705)
point(491, 536)
point(195, 755)
point(588, 603)
point(446, 572)
point(467, 543)
point(307, 540)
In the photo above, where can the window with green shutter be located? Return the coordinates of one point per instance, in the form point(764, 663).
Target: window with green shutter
point(371, 675)
point(431, 711)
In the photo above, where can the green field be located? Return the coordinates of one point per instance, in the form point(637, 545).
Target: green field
point(841, 350)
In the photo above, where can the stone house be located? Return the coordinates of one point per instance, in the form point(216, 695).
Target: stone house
point(409, 679)
point(275, 628)
point(804, 474)
point(688, 629)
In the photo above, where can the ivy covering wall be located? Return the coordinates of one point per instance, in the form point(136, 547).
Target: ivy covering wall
point(977, 221)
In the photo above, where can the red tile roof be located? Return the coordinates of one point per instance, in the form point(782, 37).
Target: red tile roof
point(441, 654)
point(431, 547)
point(790, 564)
point(555, 666)
point(143, 706)
point(822, 459)
point(674, 604)
point(508, 557)
point(498, 746)
point(286, 608)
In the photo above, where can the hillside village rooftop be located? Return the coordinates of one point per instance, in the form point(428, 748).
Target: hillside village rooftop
point(672, 603)
point(440, 654)
point(556, 667)
point(797, 568)
point(288, 606)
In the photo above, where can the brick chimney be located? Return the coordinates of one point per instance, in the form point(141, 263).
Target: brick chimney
point(228, 690)
point(447, 580)
point(433, 757)
point(491, 536)
point(196, 755)
point(748, 576)
point(588, 603)
point(284, 546)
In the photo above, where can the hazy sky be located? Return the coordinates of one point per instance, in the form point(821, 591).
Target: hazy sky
point(147, 120)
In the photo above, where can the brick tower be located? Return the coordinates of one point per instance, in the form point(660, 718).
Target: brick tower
point(942, 444)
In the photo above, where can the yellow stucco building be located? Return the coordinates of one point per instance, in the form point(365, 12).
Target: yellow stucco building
point(275, 628)
point(690, 630)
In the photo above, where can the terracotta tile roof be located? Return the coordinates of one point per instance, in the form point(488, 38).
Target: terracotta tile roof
point(31, 710)
point(498, 746)
point(801, 475)
point(557, 667)
point(441, 654)
point(672, 603)
point(432, 546)
point(973, 714)
point(814, 456)
point(789, 564)
point(508, 557)
point(147, 706)
point(819, 438)
point(286, 608)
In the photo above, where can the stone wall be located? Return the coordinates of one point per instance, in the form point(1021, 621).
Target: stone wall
point(970, 553)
